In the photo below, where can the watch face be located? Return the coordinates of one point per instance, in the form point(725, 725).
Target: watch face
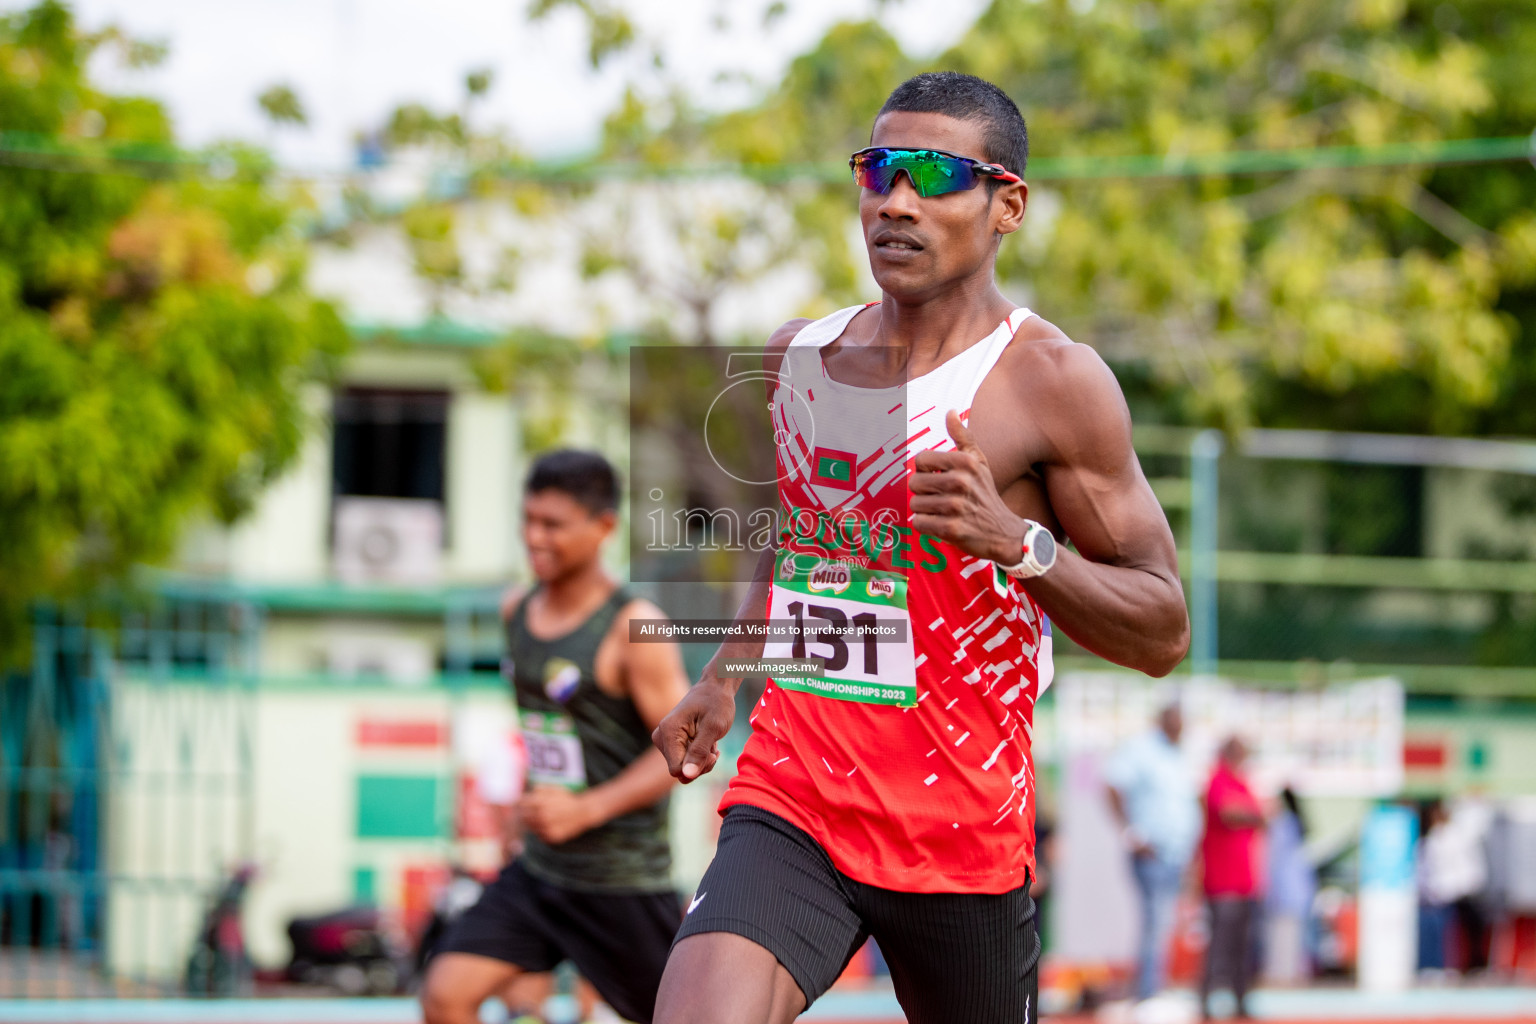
point(1045, 547)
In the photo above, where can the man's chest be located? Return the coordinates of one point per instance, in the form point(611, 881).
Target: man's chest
point(1016, 449)
point(546, 658)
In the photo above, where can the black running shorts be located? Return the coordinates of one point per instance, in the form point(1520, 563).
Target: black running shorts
point(618, 942)
point(953, 956)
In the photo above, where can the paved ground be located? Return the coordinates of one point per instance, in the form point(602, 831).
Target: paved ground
point(1313, 1006)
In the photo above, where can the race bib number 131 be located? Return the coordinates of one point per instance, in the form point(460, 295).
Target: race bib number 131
point(854, 619)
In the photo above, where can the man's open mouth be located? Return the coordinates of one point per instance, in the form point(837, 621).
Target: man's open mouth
point(896, 243)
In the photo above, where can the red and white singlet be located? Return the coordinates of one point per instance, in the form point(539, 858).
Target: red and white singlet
point(909, 763)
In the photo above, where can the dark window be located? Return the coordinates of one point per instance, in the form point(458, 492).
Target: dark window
point(390, 443)
point(1375, 510)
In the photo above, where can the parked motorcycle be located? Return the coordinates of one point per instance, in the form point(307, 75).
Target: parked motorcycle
point(351, 950)
point(219, 965)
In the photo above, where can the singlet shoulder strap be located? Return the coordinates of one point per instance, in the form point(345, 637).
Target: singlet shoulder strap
point(596, 627)
point(518, 622)
point(620, 597)
point(820, 332)
point(1001, 338)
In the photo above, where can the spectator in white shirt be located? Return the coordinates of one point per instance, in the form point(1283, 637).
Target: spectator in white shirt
point(1153, 796)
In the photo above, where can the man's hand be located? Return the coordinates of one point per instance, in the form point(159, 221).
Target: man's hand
point(955, 498)
point(556, 815)
point(510, 831)
point(689, 737)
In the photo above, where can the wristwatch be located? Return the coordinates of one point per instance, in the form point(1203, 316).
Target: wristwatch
point(1037, 553)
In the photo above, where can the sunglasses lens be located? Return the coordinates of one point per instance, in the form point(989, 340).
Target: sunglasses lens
point(931, 174)
point(937, 174)
point(871, 172)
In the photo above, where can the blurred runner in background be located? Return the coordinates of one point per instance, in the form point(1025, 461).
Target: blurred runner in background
point(1152, 794)
point(593, 883)
point(500, 781)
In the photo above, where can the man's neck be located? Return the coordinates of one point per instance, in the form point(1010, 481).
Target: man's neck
point(931, 329)
point(576, 589)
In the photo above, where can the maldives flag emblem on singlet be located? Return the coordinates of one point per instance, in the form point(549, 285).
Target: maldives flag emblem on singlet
point(834, 468)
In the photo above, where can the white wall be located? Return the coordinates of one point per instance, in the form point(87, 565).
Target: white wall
point(304, 812)
point(484, 471)
point(286, 538)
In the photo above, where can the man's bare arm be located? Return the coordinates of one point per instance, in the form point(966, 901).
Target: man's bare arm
point(1138, 843)
point(1117, 806)
point(1118, 594)
point(689, 737)
point(656, 681)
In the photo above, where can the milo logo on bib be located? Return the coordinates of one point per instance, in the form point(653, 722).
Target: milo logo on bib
point(830, 576)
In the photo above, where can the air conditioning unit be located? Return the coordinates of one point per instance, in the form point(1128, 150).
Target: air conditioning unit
point(388, 540)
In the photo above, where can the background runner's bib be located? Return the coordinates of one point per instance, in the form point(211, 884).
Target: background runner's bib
point(847, 617)
point(554, 751)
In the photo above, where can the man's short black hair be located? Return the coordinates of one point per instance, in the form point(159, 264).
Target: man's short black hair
point(1005, 137)
point(585, 476)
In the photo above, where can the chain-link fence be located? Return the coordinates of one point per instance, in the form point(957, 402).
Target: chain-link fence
point(1344, 554)
point(125, 773)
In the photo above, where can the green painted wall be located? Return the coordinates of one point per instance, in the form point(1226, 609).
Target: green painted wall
point(401, 806)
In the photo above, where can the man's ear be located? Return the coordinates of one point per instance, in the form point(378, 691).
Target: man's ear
point(608, 519)
point(1010, 203)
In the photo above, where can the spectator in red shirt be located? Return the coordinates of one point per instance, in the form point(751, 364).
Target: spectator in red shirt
point(1234, 824)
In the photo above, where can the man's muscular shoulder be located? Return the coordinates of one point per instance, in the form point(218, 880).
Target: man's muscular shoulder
point(1044, 358)
point(635, 609)
point(780, 339)
point(1068, 396)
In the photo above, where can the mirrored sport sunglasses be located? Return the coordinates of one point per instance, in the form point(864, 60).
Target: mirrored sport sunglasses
point(933, 172)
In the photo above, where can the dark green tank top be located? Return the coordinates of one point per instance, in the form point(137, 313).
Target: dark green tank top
point(577, 736)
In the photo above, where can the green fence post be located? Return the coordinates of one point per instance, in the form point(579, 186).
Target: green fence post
point(1204, 453)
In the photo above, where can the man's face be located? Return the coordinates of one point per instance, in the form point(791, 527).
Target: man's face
point(1171, 721)
point(561, 535)
point(919, 246)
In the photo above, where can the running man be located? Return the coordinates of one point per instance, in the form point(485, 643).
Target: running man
point(899, 803)
point(594, 881)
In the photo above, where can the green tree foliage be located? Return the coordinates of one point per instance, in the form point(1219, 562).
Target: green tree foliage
point(282, 105)
point(1374, 291)
point(819, 112)
point(1368, 298)
point(609, 28)
point(155, 336)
